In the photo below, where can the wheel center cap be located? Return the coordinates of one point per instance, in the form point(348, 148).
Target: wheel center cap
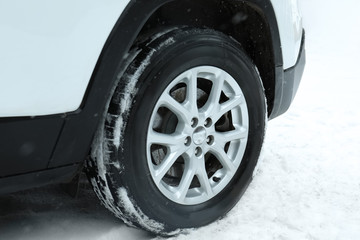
point(199, 135)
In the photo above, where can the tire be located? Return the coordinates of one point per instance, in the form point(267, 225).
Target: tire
point(160, 163)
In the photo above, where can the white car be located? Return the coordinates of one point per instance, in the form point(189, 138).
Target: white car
point(163, 103)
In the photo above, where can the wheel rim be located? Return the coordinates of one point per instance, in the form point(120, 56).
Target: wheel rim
point(197, 135)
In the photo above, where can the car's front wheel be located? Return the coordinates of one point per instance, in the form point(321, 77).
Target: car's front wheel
point(182, 133)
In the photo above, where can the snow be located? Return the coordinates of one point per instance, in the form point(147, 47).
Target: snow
point(131, 90)
point(307, 186)
point(127, 98)
point(135, 212)
point(103, 146)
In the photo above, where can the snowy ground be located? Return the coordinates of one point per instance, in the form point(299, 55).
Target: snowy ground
point(308, 186)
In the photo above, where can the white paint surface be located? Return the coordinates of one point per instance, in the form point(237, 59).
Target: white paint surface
point(48, 50)
point(290, 27)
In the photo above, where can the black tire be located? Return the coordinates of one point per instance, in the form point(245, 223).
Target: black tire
point(118, 168)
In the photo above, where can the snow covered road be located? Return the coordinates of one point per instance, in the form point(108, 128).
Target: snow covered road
point(308, 186)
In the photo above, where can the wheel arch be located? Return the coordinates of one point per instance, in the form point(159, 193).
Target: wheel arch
point(251, 23)
point(142, 16)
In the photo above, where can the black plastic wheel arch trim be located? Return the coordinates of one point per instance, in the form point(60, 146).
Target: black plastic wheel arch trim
point(285, 89)
point(39, 178)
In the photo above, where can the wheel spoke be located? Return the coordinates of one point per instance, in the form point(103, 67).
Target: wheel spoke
point(191, 91)
point(223, 158)
point(185, 182)
point(212, 103)
point(237, 134)
point(204, 181)
point(227, 106)
point(165, 165)
point(165, 139)
point(177, 108)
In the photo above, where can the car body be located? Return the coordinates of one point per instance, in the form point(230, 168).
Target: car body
point(58, 62)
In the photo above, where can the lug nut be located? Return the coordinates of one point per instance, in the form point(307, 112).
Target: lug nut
point(198, 152)
point(210, 140)
point(207, 122)
point(194, 122)
point(187, 141)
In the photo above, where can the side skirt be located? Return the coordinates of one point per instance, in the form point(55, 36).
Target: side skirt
point(39, 179)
